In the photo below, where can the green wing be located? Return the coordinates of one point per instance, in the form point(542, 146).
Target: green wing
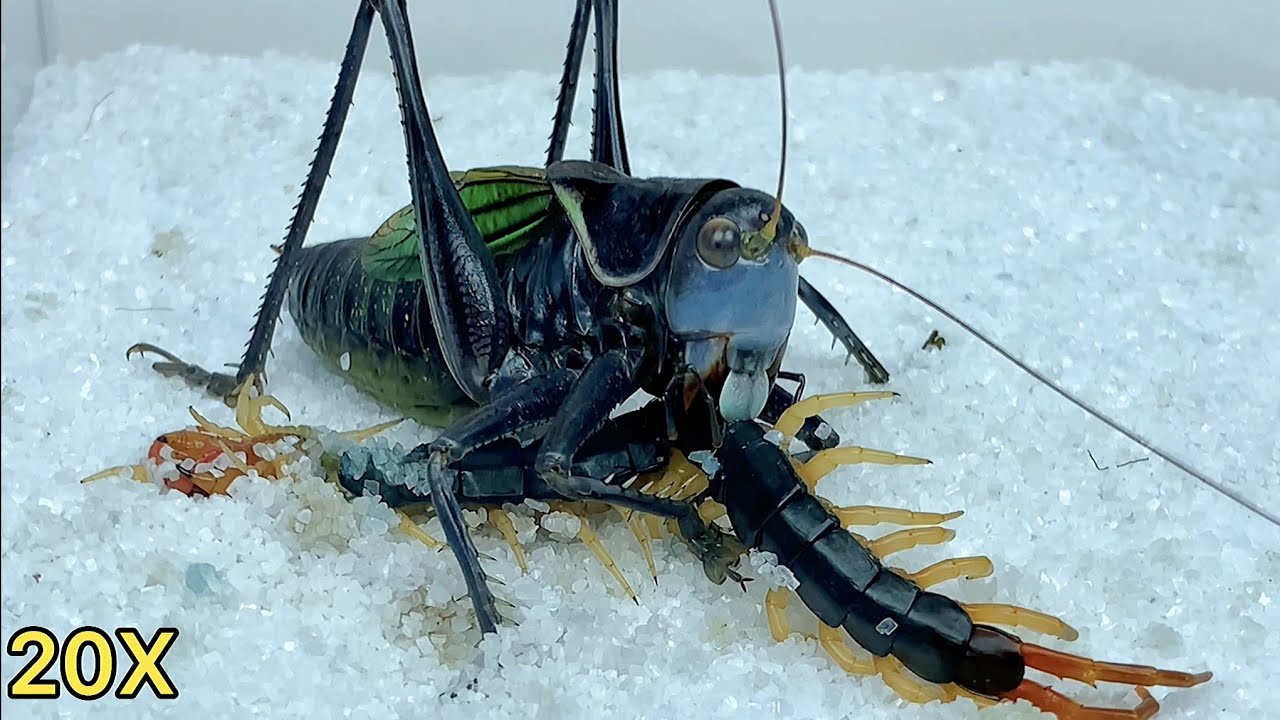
point(508, 205)
point(392, 253)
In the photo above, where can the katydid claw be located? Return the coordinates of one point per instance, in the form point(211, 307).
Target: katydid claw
point(222, 386)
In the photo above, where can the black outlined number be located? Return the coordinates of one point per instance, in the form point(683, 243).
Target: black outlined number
point(28, 682)
point(73, 666)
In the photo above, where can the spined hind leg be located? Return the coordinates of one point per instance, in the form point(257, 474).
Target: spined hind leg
point(569, 81)
point(608, 144)
point(225, 386)
point(466, 301)
point(467, 311)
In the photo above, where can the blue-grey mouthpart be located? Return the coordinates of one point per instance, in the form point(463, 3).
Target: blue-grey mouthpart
point(743, 395)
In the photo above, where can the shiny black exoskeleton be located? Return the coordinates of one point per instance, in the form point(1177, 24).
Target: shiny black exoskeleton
point(683, 288)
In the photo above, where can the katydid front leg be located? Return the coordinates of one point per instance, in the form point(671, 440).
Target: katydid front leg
point(525, 406)
point(834, 322)
point(605, 383)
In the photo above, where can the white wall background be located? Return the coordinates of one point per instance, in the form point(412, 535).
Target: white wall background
point(1223, 44)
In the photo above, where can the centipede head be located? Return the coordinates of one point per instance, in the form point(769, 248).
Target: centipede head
point(198, 455)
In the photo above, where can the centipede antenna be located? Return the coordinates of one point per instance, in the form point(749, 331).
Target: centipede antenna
point(770, 229)
point(1184, 467)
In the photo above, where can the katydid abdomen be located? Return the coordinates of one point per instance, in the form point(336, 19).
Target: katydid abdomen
point(375, 333)
point(359, 303)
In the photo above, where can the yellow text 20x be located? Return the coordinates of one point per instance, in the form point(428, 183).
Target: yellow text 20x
point(90, 681)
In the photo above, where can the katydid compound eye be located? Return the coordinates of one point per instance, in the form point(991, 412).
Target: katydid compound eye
point(719, 243)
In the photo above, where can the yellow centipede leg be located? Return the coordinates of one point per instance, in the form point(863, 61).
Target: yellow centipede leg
point(907, 539)
point(415, 531)
point(793, 418)
point(248, 417)
point(502, 521)
point(866, 515)
point(685, 471)
point(636, 521)
point(827, 460)
point(775, 610)
point(591, 540)
point(137, 473)
point(692, 487)
point(234, 459)
point(1015, 616)
point(208, 427)
point(662, 484)
point(681, 478)
point(710, 511)
point(654, 523)
point(359, 436)
point(249, 409)
point(969, 567)
point(905, 683)
point(833, 642)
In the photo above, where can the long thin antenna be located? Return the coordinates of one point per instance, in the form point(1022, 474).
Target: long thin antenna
point(1233, 495)
point(770, 229)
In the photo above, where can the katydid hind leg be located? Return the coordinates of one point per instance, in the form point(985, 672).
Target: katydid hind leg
point(608, 143)
point(569, 81)
point(253, 365)
point(465, 296)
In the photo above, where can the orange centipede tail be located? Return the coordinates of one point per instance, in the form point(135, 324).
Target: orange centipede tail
point(1074, 667)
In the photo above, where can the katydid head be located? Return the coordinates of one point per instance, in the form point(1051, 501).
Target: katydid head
point(731, 295)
